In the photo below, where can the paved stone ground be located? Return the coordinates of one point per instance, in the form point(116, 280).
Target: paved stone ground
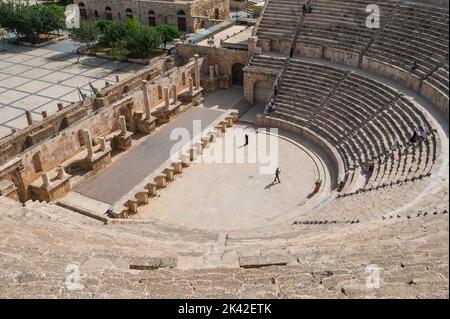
point(224, 99)
point(114, 182)
point(237, 194)
point(36, 79)
point(229, 32)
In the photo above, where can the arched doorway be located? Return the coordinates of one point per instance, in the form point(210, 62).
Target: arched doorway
point(129, 13)
point(263, 89)
point(237, 74)
point(82, 7)
point(108, 13)
point(151, 18)
point(181, 20)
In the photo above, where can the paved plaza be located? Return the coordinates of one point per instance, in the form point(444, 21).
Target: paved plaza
point(36, 79)
point(237, 194)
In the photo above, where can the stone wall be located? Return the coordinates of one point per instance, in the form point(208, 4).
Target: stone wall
point(102, 121)
point(225, 58)
point(164, 12)
point(18, 142)
point(252, 76)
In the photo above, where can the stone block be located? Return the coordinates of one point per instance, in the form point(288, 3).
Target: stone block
point(169, 173)
point(142, 198)
point(177, 167)
point(160, 181)
point(132, 206)
point(152, 189)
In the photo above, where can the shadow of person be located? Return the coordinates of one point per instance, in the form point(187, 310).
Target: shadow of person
point(311, 195)
point(271, 184)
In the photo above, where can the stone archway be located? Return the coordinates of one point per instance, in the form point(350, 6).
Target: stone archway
point(181, 19)
point(237, 73)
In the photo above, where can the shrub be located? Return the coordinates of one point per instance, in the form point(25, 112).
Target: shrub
point(88, 33)
point(31, 20)
point(169, 33)
point(144, 41)
point(112, 33)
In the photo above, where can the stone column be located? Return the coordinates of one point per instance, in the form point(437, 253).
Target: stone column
point(252, 42)
point(216, 70)
point(88, 141)
point(106, 84)
point(174, 94)
point(146, 101)
point(122, 125)
point(197, 72)
point(29, 117)
point(45, 180)
point(191, 86)
point(211, 72)
point(60, 106)
point(102, 144)
point(166, 97)
point(44, 114)
point(61, 173)
point(117, 78)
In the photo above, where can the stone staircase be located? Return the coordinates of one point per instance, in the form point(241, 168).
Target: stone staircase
point(242, 106)
point(310, 258)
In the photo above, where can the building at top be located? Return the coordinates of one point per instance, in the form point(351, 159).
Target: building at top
point(188, 15)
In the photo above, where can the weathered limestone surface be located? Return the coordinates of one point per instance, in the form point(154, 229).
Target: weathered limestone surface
point(314, 260)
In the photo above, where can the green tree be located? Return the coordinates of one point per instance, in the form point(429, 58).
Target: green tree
point(120, 52)
point(144, 41)
point(11, 16)
point(112, 33)
point(104, 24)
point(55, 17)
point(31, 20)
point(168, 32)
point(88, 33)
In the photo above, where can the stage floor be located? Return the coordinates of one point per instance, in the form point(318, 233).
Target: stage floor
point(117, 180)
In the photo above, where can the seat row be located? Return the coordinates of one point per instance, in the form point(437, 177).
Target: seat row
point(367, 121)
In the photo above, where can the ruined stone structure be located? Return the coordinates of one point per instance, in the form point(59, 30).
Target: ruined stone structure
point(188, 15)
point(90, 130)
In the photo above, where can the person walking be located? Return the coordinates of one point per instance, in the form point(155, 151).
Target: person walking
point(246, 139)
point(304, 9)
point(277, 176)
point(413, 138)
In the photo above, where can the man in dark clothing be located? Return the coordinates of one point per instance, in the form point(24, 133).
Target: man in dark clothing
point(413, 138)
point(277, 176)
point(304, 9)
point(292, 52)
point(246, 139)
point(414, 67)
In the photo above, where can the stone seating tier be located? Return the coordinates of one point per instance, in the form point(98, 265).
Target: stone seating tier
point(364, 119)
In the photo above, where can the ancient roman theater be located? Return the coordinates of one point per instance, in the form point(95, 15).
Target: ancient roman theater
point(302, 155)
